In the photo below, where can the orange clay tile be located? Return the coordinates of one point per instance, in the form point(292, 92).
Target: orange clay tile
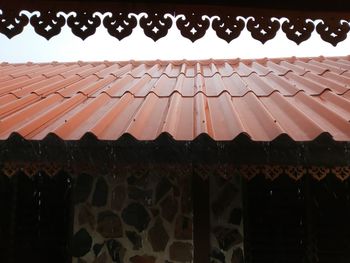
point(266, 98)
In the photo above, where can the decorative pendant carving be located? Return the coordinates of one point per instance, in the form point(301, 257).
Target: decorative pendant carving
point(295, 172)
point(318, 172)
point(341, 172)
point(272, 172)
point(12, 23)
point(84, 24)
point(192, 26)
point(228, 27)
point(120, 25)
point(333, 31)
point(298, 30)
point(263, 28)
point(48, 24)
point(156, 25)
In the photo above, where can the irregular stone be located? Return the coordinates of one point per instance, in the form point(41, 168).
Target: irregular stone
point(117, 179)
point(109, 225)
point(143, 259)
point(235, 216)
point(81, 243)
point(101, 259)
point(100, 195)
point(186, 197)
point(135, 239)
point(154, 211)
point(157, 236)
point(169, 208)
point(141, 195)
point(97, 248)
point(118, 197)
point(183, 228)
point(136, 215)
point(220, 181)
point(176, 192)
point(85, 216)
point(82, 188)
point(144, 181)
point(116, 250)
point(237, 256)
point(227, 237)
point(132, 180)
point(224, 199)
point(162, 188)
point(180, 251)
point(217, 254)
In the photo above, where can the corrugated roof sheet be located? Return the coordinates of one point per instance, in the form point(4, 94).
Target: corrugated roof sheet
point(300, 97)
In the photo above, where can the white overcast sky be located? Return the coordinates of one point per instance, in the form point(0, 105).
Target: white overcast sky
point(29, 46)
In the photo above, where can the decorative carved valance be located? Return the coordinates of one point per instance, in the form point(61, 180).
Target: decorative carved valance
point(193, 21)
point(270, 172)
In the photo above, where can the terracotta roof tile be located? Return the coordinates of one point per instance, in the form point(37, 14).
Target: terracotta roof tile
point(292, 120)
point(312, 67)
point(8, 98)
point(57, 70)
point(35, 86)
point(263, 99)
point(346, 74)
point(11, 106)
point(10, 69)
point(109, 70)
point(76, 70)
point(325, 65)
point(338, 63)
point(291, 67)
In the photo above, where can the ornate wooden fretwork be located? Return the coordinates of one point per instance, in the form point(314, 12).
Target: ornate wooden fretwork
point(120, 25)
point(270, 172)
point(47, 24)
point(298, 30)
point(84, 24)
point(263, 28)
point(192, 24)
point(333, 31)
point(228, 27)
point(155, 25)
point(12, 23)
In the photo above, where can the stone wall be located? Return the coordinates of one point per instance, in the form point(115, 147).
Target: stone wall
point(226, 219)
point(147, 218)
point(138, 218)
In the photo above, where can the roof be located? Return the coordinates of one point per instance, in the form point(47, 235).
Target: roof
point(263, 99)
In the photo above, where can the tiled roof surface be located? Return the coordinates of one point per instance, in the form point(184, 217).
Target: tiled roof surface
point(263, 99)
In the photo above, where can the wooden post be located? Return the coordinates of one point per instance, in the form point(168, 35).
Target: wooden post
point(201, 219)
point(12, 241)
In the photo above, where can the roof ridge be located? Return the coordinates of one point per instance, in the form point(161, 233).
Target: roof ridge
point(181, 61)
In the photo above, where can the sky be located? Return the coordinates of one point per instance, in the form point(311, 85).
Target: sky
point(31, 47)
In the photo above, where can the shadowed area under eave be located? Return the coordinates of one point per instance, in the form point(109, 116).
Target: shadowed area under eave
point(323, 150)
